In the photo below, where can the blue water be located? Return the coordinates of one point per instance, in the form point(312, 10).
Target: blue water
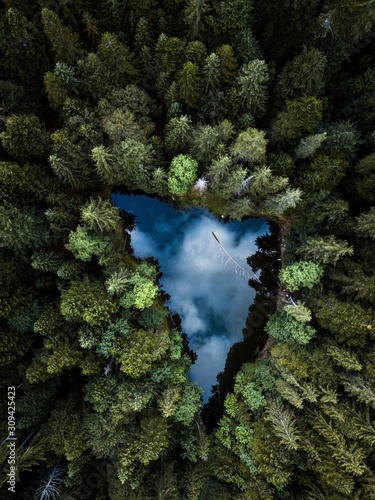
point(210, 297)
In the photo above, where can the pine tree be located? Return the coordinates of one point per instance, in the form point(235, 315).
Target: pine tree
point(250, 146)
point(194, 14)
point(280, 203)
point(190, 84)
point(309, 145)
point(365, 224)
point(177, 133)
point(283, 425)
point(252, 82)
point(325, 250)
point(228, 62)
point(102, 158)
point(25, 137)
point(301, 115)
point(99, 214)
point(211, 72)
point(304, 75)
point(65, 43)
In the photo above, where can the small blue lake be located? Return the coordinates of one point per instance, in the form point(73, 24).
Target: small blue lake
point(210, 297)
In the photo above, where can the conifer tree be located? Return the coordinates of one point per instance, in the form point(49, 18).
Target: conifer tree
point(65, 42)
point(190, 84)
point(252, 81)
point(250, 146)
point(325, 250)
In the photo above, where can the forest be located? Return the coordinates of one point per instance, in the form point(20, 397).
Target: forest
point(248, 108)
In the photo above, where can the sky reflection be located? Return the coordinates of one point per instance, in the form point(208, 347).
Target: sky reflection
point(211, 299)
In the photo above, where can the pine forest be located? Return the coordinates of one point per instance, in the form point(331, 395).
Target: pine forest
point(247, 108)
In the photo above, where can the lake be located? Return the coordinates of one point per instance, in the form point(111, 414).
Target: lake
point(207, 289)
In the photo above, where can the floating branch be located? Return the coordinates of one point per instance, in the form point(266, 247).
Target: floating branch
point(238, 269)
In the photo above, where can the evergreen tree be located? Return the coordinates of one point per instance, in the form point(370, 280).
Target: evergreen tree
point(304, 75)
point(301, 115)
point(250, 146)
point(100, 214)
point(326, 250)
point(65, 43)
point(182, 174)
point(252, 81)
point(190, 84)
point(25, 137)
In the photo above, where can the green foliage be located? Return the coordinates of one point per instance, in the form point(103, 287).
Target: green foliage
point(252, 81)
point(250, 146)
point(302, 274)
point(190, 84)
point(344, 358)
point(284, 427)
point(284, 327)
point(310, 144)
point(253, 382)
point(65, 43)
point(189, 404)
point(139, 350)
point(325, 250)
point(323, 173)
point(22, 228)
point(118, 61)
point(100, 215)
point(228, 62)
point(194, 14)
point(182, 174)
point(25, 137)
point(301, 115)
point(282, 202)
point(365, 224)
point(95, 95)
point(84, 244)
point(299, 312)
point(349, 321)
point(343, 137)
point(304, 75)
point(263, 183)
point(88, 301)
point(211, 72)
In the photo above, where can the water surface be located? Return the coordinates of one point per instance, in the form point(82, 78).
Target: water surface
point(211, 299)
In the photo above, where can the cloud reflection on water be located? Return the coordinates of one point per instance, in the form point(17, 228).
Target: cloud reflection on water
point(211, 299)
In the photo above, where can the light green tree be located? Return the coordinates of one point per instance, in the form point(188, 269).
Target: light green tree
point(85, 243)
point(99, 214)
point(87, 301)
point(182, 174)
point(284, 327)
point(250, 146)
point(252, 82)
point(282, 202)
point(309, 145)
point(302, 274)
point(365, 224)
